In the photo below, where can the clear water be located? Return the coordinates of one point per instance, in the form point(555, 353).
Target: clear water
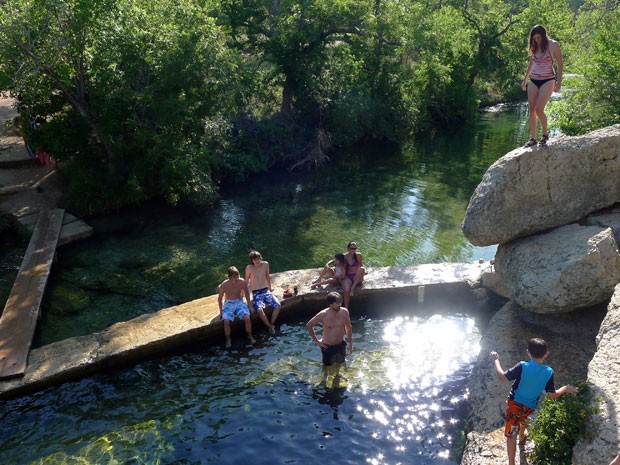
point(403, 402)
point(403, 206)
point(405, 395)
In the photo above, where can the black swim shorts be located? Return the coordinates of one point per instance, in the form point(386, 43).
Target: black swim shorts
point(334, 354)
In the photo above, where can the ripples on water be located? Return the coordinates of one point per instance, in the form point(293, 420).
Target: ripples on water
point(405, 394)
point(403, 402)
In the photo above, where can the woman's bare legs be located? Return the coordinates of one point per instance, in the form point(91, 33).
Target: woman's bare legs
point(359, 277)
point(537, 99)
point(346, 284)
point(325, 271)
point(329, 282)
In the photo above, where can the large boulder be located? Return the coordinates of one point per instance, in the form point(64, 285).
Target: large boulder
point(532, 190)
point(571, 340)
point(559, 271)
point(604, 377)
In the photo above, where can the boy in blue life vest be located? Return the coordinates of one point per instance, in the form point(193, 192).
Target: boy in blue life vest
point(529, 380)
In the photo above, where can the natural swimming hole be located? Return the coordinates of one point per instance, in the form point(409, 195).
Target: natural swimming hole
point(260, 404)
point(404, 401)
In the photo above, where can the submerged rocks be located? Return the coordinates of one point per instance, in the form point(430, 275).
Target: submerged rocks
point(532, 190)
point(559, 271)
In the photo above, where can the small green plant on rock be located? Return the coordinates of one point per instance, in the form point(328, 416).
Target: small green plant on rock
point(559, 424)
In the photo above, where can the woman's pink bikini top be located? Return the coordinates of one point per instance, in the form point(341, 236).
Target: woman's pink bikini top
point(543, 66)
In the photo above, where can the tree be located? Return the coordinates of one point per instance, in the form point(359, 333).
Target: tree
point(146, 89)
point(594, 99)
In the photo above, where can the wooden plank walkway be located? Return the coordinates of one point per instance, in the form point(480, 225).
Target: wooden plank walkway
point(19, 318)
point(73, 228)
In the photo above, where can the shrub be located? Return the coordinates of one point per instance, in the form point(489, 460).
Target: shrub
point(559, 424)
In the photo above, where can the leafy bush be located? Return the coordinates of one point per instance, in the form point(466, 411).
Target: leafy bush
point(559, 424)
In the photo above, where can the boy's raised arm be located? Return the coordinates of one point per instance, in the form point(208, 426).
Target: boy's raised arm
point(498, 367)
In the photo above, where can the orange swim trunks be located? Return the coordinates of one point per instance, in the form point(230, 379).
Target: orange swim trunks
point(515, 415)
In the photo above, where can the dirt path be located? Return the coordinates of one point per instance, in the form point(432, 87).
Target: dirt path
point(25, 185)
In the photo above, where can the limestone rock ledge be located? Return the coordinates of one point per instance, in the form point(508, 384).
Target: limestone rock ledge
point(604, 377)
point(561, 270)
point(534, 189)
point(195, 324)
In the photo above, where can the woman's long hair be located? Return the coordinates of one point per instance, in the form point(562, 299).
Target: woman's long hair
point(544, 43)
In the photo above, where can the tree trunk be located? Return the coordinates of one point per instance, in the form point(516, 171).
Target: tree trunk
point(287, 95)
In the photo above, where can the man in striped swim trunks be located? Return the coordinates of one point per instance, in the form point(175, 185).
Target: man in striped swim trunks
point(257, 275)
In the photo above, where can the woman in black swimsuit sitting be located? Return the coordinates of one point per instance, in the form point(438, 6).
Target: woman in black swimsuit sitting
point(543, 80)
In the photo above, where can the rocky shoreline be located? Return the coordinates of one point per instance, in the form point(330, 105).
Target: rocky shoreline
point(554, 213)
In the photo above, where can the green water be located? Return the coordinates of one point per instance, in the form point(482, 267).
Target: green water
point(405, 398)
point(403, 206)
point(403, 402)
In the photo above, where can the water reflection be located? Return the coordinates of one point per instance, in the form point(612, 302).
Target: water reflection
point(425, 367)
point(403, 205)
point(404, 402)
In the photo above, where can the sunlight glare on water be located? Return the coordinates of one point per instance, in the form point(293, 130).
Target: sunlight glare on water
point(418, 344)
point(403, 401)
point(422, 358)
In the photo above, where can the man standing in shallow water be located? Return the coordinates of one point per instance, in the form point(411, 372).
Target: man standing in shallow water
point(336, 323)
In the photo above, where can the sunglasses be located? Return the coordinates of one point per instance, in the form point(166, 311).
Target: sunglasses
point(352, 248)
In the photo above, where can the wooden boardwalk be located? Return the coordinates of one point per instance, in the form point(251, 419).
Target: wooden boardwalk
point(19, 318)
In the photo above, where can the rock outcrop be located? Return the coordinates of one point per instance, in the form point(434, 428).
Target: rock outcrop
point(571, 339)
point(561, 270)
point(555, 213)
point(604, 377)
point(532, 190)
point(608, 218)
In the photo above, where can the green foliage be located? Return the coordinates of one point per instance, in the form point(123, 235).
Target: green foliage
point(559, 424)
point(141, 91)
point(593, 99)
point(143, 98)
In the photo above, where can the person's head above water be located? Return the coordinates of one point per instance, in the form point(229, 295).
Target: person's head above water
point(334, 297)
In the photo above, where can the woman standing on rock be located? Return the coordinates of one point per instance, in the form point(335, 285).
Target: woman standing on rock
point(543, 80)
